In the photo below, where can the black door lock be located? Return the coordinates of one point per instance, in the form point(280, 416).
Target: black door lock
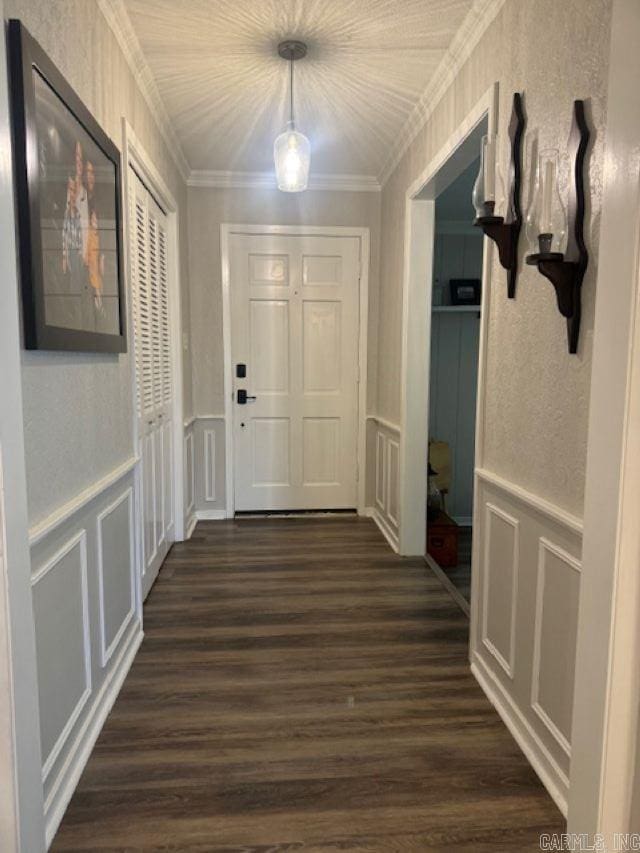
point(241, 371)
point(242, 397)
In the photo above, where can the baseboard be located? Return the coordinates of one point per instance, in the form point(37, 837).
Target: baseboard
point(463, 520)
point(69, 774)
point(211, 514)
point(550, 774)
point(191, 526)
point(387, 532)
point(448, 584)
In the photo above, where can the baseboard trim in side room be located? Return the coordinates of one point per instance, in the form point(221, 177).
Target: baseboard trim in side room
point(211, 514)
point(387, 532)
point(551, 776)
point(190, 526)
point(69, 774)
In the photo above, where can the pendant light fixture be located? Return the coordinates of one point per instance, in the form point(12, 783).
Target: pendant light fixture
point(291, 150)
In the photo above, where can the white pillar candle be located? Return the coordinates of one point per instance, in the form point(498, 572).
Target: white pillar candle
point(490, 170)
point(548, 182)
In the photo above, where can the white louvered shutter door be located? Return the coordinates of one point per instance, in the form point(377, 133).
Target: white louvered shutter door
point(152, 352)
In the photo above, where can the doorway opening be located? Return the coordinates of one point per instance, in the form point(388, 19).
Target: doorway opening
point(457, 158)
point(453, 382)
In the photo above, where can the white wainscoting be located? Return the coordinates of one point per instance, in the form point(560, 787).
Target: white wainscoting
point(525, 595)
point(88, 624)
point(189, 468)
point(209, 467)
point(116, 581)
point(386, 491)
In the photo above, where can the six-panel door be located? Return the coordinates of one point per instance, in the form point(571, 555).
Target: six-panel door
point(294, 324)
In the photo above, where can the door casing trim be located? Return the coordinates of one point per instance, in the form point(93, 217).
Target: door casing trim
point(226, 230)
point(416, 329)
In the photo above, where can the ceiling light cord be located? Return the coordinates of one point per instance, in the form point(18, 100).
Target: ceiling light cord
point(291, 92)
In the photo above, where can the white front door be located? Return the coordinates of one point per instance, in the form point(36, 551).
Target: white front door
point(152, 344)
point(294, 335)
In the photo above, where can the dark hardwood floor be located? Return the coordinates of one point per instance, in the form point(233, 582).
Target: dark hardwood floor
point(300, 687)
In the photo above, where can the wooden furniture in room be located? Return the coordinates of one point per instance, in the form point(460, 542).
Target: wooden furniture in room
point(442, 541)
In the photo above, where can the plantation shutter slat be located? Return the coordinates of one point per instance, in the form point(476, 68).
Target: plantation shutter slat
point(145, 309)
point(165, 347)
point(156, 320)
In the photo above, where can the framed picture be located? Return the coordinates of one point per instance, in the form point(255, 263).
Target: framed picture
point(69, 210)
point(465, 291)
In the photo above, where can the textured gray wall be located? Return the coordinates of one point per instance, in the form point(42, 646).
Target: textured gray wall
point(78, 406)
point(536, 395)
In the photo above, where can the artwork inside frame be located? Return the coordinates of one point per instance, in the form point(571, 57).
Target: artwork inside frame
point(69, 210)
point(465, 291)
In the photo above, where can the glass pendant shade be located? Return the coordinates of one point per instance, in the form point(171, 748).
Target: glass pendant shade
point(292, 155)
point(546, 222)
point(488, 195)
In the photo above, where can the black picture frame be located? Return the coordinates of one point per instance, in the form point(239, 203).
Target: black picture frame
point(465, 291)
point(30, 67)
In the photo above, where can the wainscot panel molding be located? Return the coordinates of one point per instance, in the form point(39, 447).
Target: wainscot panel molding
point(67, 779)
point(189, 478)
point(117, 586)
point(525, 591)
point(209, 467)
point(386, 493)
point(501, 559)
point(63, 642)
point(388, 425)
point(555, 566)
point(88, 623)
point(543, 506)
point(43, 528)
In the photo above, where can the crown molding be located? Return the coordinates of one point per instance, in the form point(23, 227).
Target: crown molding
point(117, 18)
point(474, 26)
point(267, 180)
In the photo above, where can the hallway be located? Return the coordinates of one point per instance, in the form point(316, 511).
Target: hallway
point(301, 687)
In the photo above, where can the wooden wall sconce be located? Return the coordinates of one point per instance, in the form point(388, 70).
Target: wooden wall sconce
point(546, 226)
point(488, 195)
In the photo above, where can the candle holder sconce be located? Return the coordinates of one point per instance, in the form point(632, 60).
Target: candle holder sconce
point(488, 195)
point(546, 226)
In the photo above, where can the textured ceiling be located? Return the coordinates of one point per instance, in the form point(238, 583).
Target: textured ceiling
point(225, 89)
